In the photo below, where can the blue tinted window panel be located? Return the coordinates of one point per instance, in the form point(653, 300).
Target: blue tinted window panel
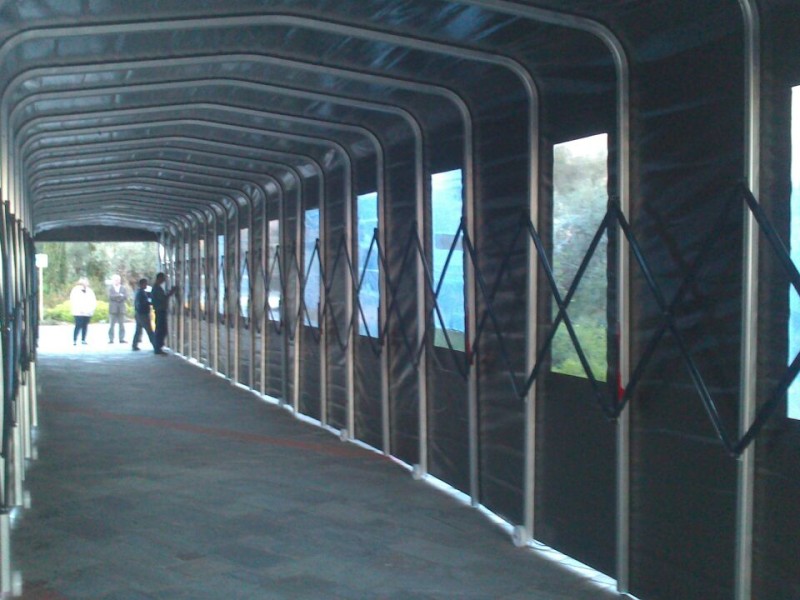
point(367, 260)
point(447, 206)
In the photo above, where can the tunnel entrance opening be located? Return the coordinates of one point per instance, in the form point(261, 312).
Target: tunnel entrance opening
point(92, 286)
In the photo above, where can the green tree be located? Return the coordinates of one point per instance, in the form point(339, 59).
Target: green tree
point(580, 195)
point(69, 261)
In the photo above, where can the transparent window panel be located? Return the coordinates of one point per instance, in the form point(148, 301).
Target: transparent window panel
point(187, 280)
point(275, 291)
point(367, 260)
point(580, 198)
point(244, 272)
point(447, 205)
point(221, 277)
point(793, 402)
point(202, 259)
point(311, 262)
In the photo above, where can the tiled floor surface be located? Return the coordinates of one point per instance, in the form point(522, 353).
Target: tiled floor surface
point(158, 480)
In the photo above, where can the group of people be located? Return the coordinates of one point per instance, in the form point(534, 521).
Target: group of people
point(84, 302)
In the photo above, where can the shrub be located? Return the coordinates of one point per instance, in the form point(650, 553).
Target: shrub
point(62, 313)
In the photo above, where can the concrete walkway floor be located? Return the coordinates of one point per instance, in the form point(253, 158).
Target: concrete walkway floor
point(158, 480)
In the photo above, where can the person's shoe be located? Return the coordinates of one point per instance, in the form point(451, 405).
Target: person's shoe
point(74, 343)
point(122, 341)
point(134, 347)
point(110, 341)
point(159, 352)
point(84, 342)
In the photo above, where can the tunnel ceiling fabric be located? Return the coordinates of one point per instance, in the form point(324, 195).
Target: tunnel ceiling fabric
point(126, 105)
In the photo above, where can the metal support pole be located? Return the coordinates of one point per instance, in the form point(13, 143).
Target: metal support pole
point(323, 329)
point(749, 345)
point(194, 278)
point(349, 294)
point(188, 248)
point(211, 239)
point(17, 458)
point(237, 278)
point(215, 308)
point(202, 232)
point(386, 421)
point(23, 422)
point(226, 277)
point(472, 324)
point(34, 395)
point(421, 468)
point(250, 288)
point(265, 241)
point(298, 304)
point(5, 553)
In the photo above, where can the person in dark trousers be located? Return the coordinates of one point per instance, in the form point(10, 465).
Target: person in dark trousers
point(141, 309)
point(117, 301)
point(160, 299)
point(83, 303)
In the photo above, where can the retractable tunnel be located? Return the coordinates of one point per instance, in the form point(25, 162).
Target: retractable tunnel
point(542, 252)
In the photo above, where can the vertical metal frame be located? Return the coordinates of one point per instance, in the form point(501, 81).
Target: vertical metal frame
point(331, 27)
point(413, 86)
point(202, 232)
point(234, 372)
point(621, 64)
point(252, 328)
point(265, 332)
point(745, 502)
point(189, 294)
point(195, 277)
point(387, 390)
point(236, 289)
point(298, 295)
point(531, 331)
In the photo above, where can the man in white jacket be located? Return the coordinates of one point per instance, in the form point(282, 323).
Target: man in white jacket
point(83, 302)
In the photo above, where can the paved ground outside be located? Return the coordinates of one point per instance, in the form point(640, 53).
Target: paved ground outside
point(156, 479)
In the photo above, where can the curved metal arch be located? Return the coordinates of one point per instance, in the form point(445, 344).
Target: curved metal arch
point(222, 107)
point(458, 51)
point(62, 199)
point(182, 84)
point(378, 148)
point(355, 75)
point(289, 169)
point(223, 126)
point(415, 86)
point(185, 203)
point(251, 202)
point(277, 180)
point(48, 180)
point(408, 117)
point(335, 145)
point(80, 215)
point(112, 219)
point(134, 183)
point(377, 143)
point(301, 18)
point(48, 199)
point(378, 35)
point(622, 68)
point(40, 178)
point(42, 155)
point(195, 122)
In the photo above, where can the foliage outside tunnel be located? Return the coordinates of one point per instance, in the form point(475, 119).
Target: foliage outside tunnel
point(68, 261)
point(580, 198)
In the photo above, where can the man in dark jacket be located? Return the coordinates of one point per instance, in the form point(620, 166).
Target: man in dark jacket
point(160, 299)
point(141, 309)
